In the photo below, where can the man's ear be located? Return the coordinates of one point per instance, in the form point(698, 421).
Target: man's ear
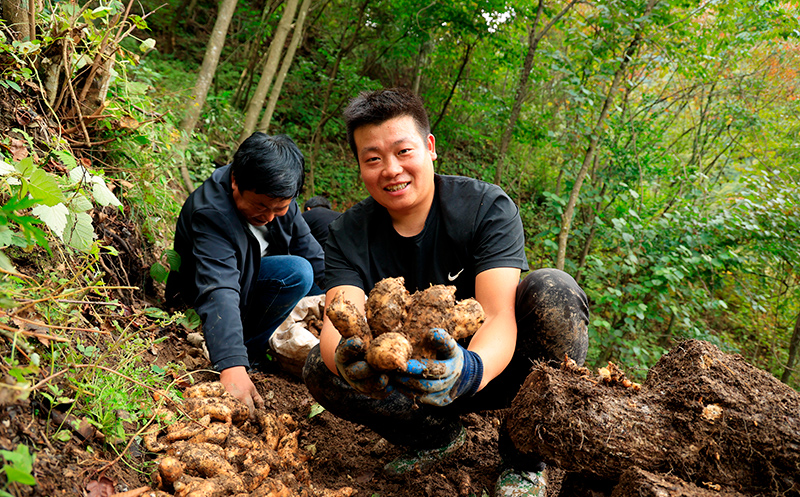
point(431, 143)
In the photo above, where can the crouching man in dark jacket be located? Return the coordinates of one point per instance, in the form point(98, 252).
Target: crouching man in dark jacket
point(247, 256)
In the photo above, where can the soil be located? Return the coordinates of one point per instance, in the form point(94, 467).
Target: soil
point(342, 454)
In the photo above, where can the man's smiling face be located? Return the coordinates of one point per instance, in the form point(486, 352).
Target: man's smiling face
point(396, 164)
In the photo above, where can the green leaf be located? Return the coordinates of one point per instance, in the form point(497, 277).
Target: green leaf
point(79, 233)
point(316, 409)
point(6, 168)
point(63, 435)
point(79, 174)
point(6, 263)
point(16, 475)
point(13, 85)
point(66, 158)
point(44, 187)
point(54, 217)
point(102, 195)
point(147, 45)
point(173, 259)
point(158, 272)
point(156, 313)
point(191, 319)
point(79, 203)
point(25, 166)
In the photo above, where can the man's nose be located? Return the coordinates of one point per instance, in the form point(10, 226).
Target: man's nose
point(393, 167)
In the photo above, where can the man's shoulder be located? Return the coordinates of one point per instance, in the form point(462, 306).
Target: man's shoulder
point(449, 186)
point(322, 214)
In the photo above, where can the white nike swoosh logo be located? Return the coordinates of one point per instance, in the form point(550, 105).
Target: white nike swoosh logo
point(453, 278)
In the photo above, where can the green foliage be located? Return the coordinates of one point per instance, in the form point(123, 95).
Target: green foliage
point(18, 467)
point(60, 203)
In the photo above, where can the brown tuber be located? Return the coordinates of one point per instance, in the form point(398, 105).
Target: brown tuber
point(396, 321)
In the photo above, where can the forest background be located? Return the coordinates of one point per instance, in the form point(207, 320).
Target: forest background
point(653, 149)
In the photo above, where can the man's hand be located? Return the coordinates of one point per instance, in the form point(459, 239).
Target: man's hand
point(454, 372)
point(238, 383)
point(353, 367)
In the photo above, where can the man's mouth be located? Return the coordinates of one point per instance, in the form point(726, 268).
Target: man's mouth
point(397, 187)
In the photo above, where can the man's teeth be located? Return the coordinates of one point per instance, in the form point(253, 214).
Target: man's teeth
point(395, 188)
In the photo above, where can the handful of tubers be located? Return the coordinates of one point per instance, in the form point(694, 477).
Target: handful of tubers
point(393, 327)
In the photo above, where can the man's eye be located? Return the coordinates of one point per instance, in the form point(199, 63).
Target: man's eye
point(405, 151)
point(371, 159)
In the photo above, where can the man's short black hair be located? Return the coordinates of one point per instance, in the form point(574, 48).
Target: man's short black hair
point(378, 106)
point(318, 201)
point(269, 165)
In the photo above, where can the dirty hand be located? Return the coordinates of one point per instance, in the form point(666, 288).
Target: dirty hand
point(353, 367)
point(454, 372)
point(238, 383)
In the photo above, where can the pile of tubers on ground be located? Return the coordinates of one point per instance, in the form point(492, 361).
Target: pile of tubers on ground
point(395, 320)
point(218, 450)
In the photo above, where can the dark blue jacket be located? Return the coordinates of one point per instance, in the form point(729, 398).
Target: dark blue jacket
point(220, 260)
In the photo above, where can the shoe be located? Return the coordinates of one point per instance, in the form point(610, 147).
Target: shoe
point(518, 483)
point(420, 459)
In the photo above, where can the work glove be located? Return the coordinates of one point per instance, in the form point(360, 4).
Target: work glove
point(353, 367)
point(454, 372)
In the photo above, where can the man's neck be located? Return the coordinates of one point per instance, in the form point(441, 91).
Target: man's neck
point(410, 224)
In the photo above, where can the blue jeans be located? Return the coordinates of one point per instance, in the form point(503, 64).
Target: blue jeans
point(552, 314)
point(282, 281)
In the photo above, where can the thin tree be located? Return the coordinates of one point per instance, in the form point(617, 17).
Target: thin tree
point(794, 351)
point(204, 79)
point(456, 81)
point(270, 67)
point(326, 116)
point(522, 89)
point(20, 19)
point(597, 131)
point(297, 35)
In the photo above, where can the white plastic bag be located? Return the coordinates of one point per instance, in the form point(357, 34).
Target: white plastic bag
point(292, 341)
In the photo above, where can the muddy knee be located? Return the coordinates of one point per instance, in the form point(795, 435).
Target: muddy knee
point(553, 314)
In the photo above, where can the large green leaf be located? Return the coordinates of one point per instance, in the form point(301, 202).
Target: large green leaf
point(102, 195)
point(79, 233)
point(66, 158)
point(79, 203)
point(54, 217)
point(44, 187)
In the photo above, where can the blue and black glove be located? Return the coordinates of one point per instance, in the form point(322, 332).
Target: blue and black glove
point(454, 372)
point(353, 367)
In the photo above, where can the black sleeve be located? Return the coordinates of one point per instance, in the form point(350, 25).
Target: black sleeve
point(499, 236)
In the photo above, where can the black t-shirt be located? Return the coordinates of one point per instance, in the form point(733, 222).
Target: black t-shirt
point(472, 226)
point(318, 220)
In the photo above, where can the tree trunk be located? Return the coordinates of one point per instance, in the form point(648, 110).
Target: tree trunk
point(418, 64)
point(254, 58)
point(270, 67)
point(522, 88)
point(464, 63)
point(15, 12)
point(701, 415)
point(325, 115)
point(569, 210)
point(213, 50)
point(297, 35)
point(794, 349)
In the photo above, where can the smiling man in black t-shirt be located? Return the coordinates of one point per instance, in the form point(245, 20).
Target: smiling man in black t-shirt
point(433, 229)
